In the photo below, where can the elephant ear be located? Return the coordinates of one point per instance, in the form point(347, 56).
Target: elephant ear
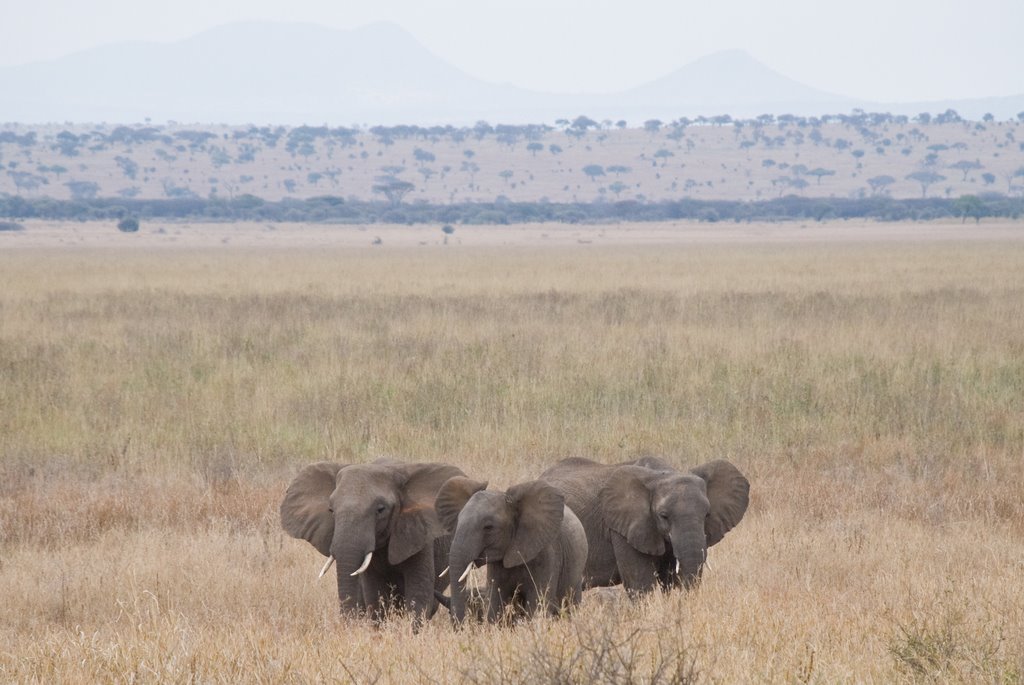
point(537, 509)
point(305, 509)
point(625, 501)
point(417, 525)
point(728, 495)
point(452, 497)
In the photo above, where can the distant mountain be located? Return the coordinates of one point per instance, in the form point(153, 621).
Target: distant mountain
point(732, 82)
point(252, 72)
point(303, 73)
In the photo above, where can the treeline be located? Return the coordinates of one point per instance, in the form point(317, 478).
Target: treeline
point(334, 209)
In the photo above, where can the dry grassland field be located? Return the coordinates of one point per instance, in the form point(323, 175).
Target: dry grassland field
point(156, 398)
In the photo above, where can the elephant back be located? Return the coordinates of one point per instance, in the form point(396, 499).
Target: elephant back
point(579, 480)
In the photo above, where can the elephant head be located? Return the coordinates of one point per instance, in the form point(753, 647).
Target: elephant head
point(355, 514)
point(510, 528)
point(660, 510)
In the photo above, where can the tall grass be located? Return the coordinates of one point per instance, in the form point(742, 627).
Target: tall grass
point(154, 405)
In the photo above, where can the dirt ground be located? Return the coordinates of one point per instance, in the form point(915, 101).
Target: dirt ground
point(156, 235)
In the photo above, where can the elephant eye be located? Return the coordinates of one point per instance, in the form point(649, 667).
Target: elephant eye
point(488, 526)
point(381, 508)
point(663, 515)
point(330, 509)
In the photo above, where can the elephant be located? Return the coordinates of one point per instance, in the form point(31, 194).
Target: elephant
point(647, 523)
point(534, 547)
point(377, 521)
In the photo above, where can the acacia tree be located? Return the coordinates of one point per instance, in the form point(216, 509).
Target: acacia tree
point(965, 166)
point(593, 171)
point(392, 188)
point(925, 178)
point(83, 190)
point(819, 172)
point(423, 156)
point(880, 183)
point(663, 154)
point(1010, 175)
point(470, 168)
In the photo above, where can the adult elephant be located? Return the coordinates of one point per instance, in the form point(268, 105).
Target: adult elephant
point(533, 546)
point(647, 523)
point(377, 521)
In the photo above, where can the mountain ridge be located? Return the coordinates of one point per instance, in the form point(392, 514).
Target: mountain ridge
point(305, 73)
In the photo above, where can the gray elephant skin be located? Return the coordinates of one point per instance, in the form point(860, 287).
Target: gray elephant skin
point(377, 522)
point(533, 545)
point(647, 523)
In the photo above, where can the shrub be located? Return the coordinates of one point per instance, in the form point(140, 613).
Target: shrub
point(128, 224)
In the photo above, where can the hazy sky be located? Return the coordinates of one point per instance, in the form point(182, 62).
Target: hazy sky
point(882, 50)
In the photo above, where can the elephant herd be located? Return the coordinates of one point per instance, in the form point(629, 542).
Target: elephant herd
point(400, 533)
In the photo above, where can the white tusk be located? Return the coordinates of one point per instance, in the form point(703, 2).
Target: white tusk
point(469, 567)
point(362, 567)
point(330, 560)
point(677, 567)
point(443, 573)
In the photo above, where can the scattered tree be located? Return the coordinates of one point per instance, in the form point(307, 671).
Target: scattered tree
point(83, 190)
point(423, 156)
point(392, 188)
point(819, 173)
point(969, 206)
point(926, 178)
point(652, 126)
point(879, 184)
point(965, 166)
point(593, 171)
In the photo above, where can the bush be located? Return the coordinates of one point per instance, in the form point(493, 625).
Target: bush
point(128, 225)
point(11, 226)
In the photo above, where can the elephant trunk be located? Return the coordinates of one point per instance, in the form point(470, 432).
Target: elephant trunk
point(350, 554)
point(690, 550)
point(465, 549)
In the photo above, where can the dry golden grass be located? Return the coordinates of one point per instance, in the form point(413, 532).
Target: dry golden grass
point(156, 403)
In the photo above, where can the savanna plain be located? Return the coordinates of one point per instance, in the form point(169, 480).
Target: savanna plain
point(155, 402)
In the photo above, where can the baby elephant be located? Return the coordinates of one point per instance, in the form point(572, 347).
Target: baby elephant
point(533, 545)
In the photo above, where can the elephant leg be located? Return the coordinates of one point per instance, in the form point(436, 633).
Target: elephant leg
point(574, 595)
point(417, 582)
point(530, 595)
point(539, 590)
point(372, 588)
point(638, 570)
point(495, 599)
